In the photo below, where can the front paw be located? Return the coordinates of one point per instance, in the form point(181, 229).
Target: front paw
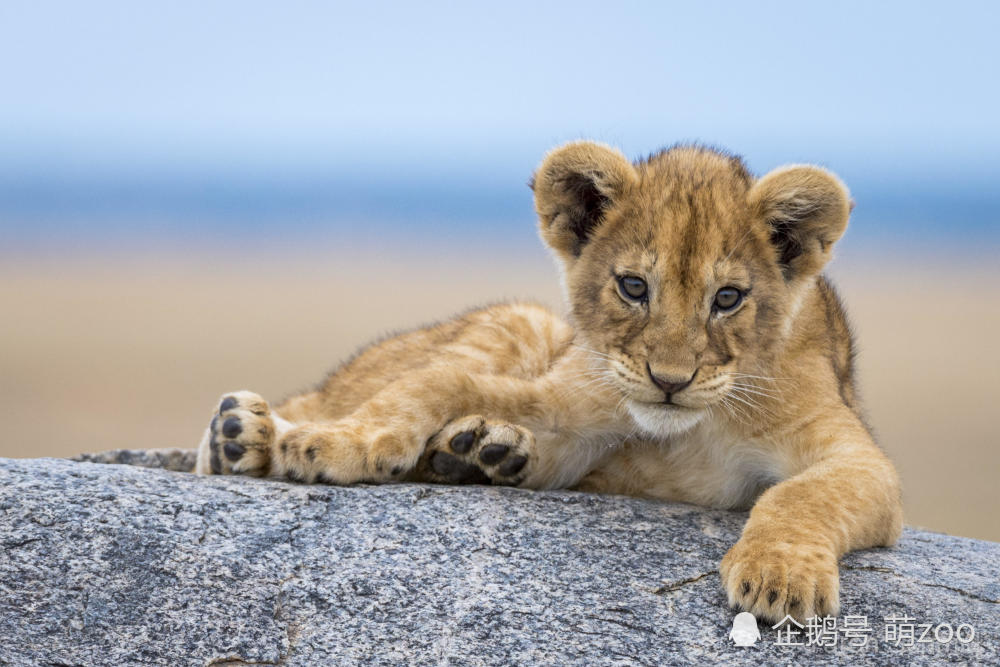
point(476, 450)
point(771, 579)
point(239, 436)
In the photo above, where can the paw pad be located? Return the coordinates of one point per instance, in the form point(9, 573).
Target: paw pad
point(232, 427)
point(457, 471)
point(233, 451)
point(493, 454)
point(513, 465)
point(462, 443)
point(240, 433)
point(474, 450)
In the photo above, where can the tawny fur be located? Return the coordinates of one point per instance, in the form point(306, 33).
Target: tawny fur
point(762, 410)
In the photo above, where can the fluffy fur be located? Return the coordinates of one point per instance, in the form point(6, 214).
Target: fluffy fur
point(673, 394)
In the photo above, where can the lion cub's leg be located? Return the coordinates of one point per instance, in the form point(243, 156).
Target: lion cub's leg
point(239, 438)
point(847, 498)
point(344, 451)
point(468, 450)
point(385, 438)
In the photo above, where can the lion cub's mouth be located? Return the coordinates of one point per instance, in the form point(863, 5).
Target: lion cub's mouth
point(666, 404)
point(662, 419)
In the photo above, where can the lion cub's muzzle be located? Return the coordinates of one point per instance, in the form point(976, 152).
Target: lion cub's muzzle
point(670, 382)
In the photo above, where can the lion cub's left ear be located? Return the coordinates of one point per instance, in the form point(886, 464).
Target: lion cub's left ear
point(807, 209)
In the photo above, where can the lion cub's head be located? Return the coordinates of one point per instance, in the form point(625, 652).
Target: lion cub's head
point(683, 271)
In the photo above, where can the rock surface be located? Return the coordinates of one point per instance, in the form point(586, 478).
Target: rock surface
point(178, 460)
point(118, 564)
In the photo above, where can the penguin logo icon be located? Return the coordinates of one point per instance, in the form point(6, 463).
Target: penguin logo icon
point(745, 631)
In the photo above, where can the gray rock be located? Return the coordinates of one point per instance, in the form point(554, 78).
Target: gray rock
point(116, 564)
point(179, 460)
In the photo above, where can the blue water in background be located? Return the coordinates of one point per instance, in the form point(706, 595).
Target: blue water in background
point(477, 204)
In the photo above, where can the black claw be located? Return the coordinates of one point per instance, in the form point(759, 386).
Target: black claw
point(321, 478)
point(794, 602)
point(295, 476)
point(216, 461)
point(311, 452)
point(491, 454)
point(746, 587)
point(396, 471)
point(232, 427)
point(228, 403)
point(463, 442)
point(456, 471)
point(772, 596)
point(513, 465)
point(234, 451)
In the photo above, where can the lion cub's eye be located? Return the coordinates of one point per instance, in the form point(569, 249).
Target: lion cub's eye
point(632, 288)
point(728, 298)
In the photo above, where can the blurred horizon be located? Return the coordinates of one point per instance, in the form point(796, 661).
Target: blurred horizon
point(305, 205)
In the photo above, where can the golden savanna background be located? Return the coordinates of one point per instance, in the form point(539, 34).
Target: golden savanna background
point(134, 351)
point(189, 207)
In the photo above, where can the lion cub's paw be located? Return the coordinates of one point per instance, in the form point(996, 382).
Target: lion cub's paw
point(240, 435)
point(475, 450)
point(772, 579)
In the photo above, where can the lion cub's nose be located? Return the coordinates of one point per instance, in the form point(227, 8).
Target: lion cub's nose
point(670, 384)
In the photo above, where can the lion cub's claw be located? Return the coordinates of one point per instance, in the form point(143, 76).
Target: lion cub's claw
point(771, 579)
point(240, 435)
point(475, 450)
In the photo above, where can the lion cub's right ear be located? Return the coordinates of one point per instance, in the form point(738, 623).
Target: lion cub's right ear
point(573, 188)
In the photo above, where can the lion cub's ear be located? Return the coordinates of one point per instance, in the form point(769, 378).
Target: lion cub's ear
point(807, 208)
point(573, 188)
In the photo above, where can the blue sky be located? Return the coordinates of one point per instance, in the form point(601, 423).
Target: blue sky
point(250, 98)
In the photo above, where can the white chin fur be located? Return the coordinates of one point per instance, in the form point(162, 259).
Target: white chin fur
point(662, 421)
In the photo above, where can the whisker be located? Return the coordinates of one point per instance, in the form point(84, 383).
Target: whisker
point(598, 381)
point(590, 372)
point(750, 403)
point(598, 353)
point(593, 382)
point(732, 410)
point(586, 382)
point(588, 375)
point(633, 431)
point(759, 391)
point(752, 389)
point(757, 377)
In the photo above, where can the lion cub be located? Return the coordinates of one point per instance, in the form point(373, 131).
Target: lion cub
point(708, 362)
